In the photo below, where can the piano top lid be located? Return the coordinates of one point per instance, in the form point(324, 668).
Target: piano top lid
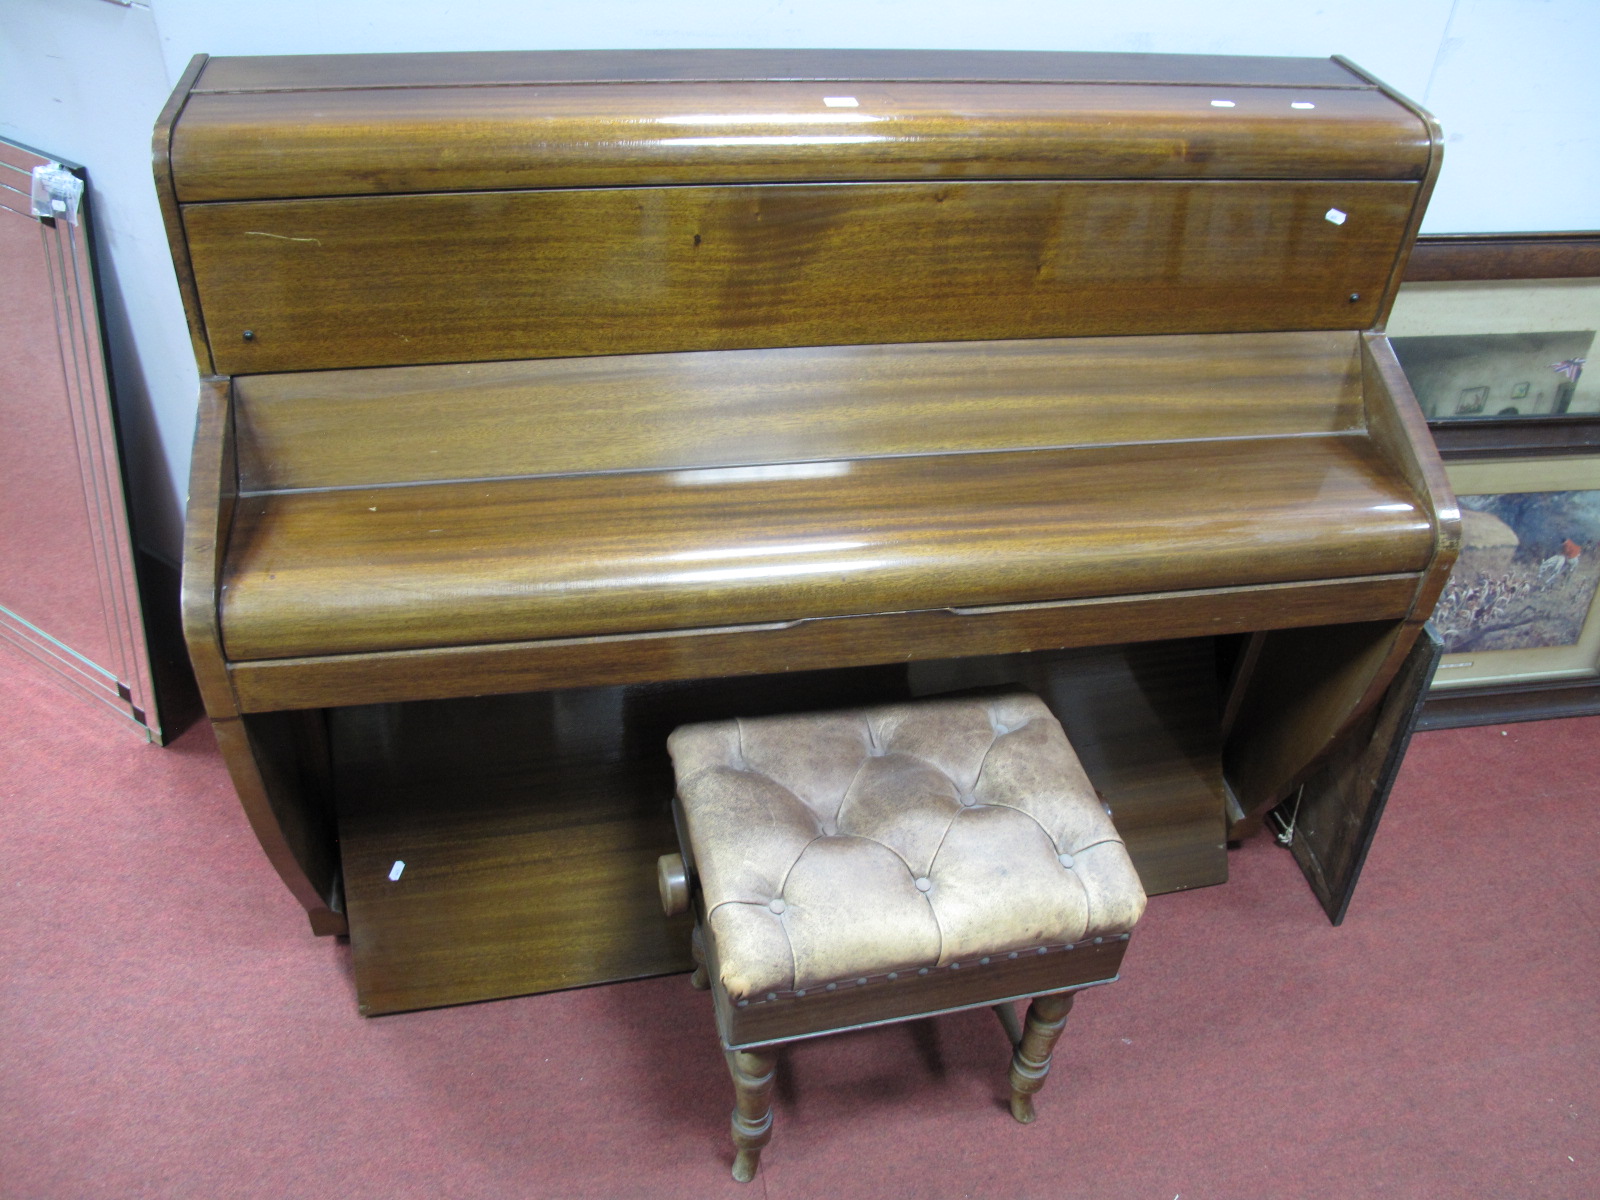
point(291, 72)
point(300, 126)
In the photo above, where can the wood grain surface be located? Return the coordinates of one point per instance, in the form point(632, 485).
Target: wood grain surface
point(941, 991)
point(748, 407)
point(529, 825)
point(601, 369)
point(1335, 815)
point(346, 571)
point(1400, 432)
point(275, 145)
point(389, 280)
point(458, 671)
point(213, 490)
point(1471, 257)
point(495, 68)
point(171, 214)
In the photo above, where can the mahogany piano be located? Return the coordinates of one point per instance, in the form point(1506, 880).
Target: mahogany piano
point(551, 400)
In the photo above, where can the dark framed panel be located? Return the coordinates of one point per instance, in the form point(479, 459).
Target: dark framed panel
point(1552, 431)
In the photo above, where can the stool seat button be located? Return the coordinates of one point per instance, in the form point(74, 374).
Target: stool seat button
point(893, 975)
point(800, 992)
point(744, 1004)
point(1099, 941)
point(1013, 954)
point(862, 982)
point(984, 961)
point(924, 883)
point(1064, 859)
point(968, 800)
point(833, 987)
point(772, 995)
point(955, 966)
point(922, 970)
point(777, 906)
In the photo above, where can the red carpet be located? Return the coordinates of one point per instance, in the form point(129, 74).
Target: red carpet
point(170, 1028)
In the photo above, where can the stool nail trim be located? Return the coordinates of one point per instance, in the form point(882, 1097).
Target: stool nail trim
point(894, 976)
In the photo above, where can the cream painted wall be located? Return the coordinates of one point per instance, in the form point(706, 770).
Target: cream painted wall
point(1512, 81)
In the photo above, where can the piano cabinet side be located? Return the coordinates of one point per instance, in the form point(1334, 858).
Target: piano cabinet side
point(1304, 691)
point(277, 761)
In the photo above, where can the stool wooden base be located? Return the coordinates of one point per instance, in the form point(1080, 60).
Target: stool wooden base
point(752, 1033)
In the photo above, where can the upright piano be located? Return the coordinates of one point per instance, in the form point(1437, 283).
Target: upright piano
point(552, 399)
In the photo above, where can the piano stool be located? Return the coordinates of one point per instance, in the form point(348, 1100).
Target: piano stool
point(873, 865)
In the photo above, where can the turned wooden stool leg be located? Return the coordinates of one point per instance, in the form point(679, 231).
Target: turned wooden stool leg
point(1047, 1015)
point(697, 950)
point(752, 1072)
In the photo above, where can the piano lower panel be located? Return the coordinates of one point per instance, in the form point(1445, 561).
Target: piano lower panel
point(530, 824)
point(457, 671)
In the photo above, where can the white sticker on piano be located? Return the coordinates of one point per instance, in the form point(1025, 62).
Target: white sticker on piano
point(841, 102)
point(1336, 215)
point(394, 871)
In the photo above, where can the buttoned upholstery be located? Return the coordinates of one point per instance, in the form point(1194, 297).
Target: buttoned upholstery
point(854, 845)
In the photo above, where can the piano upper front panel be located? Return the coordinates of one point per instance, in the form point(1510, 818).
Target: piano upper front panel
point(387, 280)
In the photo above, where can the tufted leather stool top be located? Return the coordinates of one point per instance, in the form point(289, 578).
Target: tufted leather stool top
point(846, 847)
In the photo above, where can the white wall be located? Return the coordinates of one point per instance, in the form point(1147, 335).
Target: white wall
point(1512, 81)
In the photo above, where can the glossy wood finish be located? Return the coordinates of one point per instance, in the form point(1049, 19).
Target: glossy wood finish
point(1433, 139)
point(499, 68)
point(386, 280)
point(258, 145)
point(1401, 431)
point(458, 671)
point(530, 825)
point(748, 407)
point(213, 490)
point(1335, 815)
point(1030, 1062)
point(338, 572)
point(1306, 689)
point(1303, 692)
point(529, 846)
point(810, 405)
point(272, 762)
point(753, 1074)
point(172, 216)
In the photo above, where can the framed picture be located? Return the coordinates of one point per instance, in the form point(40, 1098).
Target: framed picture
point(1520, 604)
point(1495, 333)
